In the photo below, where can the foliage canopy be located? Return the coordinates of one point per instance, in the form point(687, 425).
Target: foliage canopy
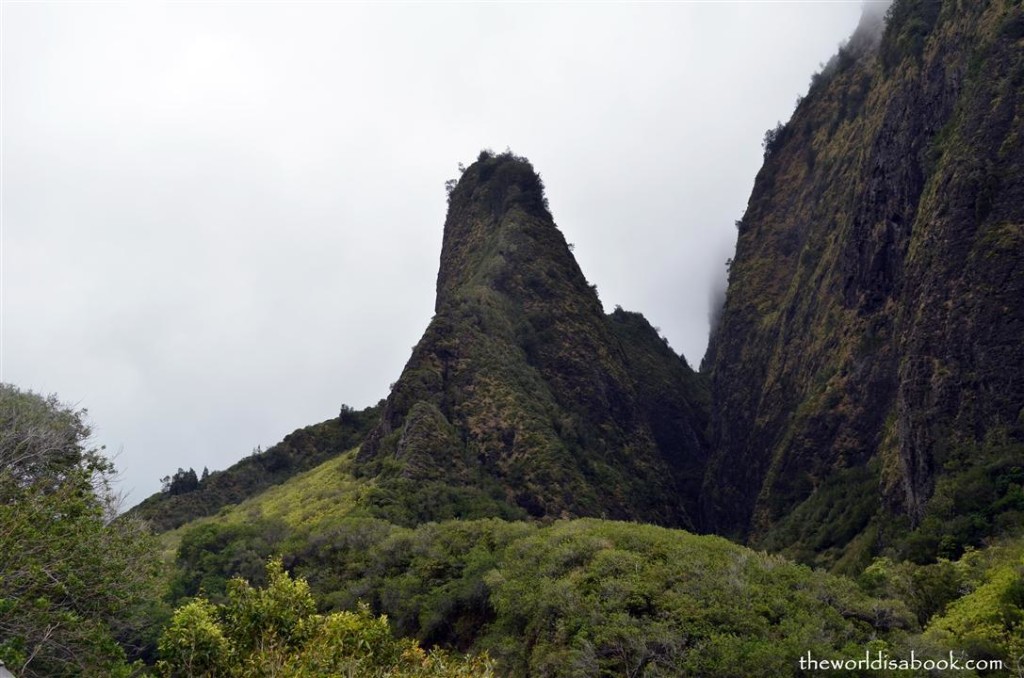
point(276, 631)
point(72, 581)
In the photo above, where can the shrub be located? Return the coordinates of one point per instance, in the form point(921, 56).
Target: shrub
point(773, 138)
point(72, 580)
point(275, 631)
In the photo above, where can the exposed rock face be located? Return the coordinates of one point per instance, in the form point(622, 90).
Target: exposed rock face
point(523, 397)
point(870, 353)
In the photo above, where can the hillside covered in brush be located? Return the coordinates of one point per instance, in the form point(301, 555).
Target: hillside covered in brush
point(568, 598)
point(186, 496)
point(598, 597)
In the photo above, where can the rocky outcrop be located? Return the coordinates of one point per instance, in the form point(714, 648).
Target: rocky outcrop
point(523, 397)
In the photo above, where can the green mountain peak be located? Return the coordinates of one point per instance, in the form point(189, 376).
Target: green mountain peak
point(499, 228)
point(523, 397)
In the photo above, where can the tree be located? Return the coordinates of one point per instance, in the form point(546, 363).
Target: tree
point(72, 579)
point(275, 631)
point(773, 139)
point(181, 482)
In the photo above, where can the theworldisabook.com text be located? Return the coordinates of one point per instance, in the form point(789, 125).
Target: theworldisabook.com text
point(882, 661)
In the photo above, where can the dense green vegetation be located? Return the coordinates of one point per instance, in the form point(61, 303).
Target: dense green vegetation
point(571, 598)
point(974, 604)
point(76, 590)
point(988, 621)
point(275, 631)
point(980, 496)
point(593, 597)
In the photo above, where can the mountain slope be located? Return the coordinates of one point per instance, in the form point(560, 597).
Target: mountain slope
point(867, 376)
point(523, 398)
point(559, 598)
point(301, 450)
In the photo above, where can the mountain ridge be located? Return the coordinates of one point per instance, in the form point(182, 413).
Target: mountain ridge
point(867, 334)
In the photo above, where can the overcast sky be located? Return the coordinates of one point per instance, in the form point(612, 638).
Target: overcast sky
point(221, 221)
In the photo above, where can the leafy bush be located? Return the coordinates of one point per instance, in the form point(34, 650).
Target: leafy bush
point(599, 598)
point(773, 139)
point(73, 582)
point(210, 554)
point(592, 597)
point(926, 589)
point(275, 631)
point(988, 621)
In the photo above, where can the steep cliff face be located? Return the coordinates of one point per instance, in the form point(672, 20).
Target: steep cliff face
point(523, 397)
point(870, 353)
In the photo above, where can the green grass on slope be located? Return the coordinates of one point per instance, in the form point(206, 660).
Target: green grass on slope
point(301, 450)
point(328, 491)
point(304, 502)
